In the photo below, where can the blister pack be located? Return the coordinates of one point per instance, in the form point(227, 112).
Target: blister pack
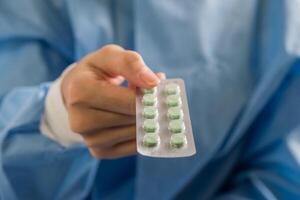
point(163, 124)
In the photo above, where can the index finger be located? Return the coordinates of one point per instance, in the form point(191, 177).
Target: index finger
point(109, 97)
point(114, 60)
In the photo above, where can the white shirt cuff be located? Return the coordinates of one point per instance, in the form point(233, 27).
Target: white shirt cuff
point(55, 123)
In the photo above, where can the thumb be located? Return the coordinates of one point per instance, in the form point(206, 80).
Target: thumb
point(160, 75)
point(114, 61)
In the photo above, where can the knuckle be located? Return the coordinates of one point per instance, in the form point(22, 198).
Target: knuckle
point(94, 143)
point(74, 92)
point(133, 57)
point(77, 124)
point(75, 127)
point(98, 154)
point(110, 49)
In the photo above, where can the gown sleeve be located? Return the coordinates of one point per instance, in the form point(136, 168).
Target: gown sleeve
point(35, 47)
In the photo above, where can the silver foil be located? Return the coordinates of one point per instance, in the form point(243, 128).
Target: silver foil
point(164, 148)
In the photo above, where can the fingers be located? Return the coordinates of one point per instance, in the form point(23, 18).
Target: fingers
point(101, 110)
point(114, 60)
point(117, 151)
point(161, 75)
point(102, 95)
point(85, 120)
point(118, 80)
point(106, 138)
point(113, 98)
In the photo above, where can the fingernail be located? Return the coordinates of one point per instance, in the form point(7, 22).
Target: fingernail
point(161, 75)
point(149, 77)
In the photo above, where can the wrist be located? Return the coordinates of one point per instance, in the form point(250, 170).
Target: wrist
point(55, 121)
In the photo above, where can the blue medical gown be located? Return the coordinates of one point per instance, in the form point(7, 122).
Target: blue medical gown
point(240, 62)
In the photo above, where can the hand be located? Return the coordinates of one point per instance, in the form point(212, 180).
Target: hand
point(99, 108)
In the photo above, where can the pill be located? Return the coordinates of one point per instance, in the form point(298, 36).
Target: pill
point(150, 90)
point(150, 126)
point(178, 140)
point(151, 140)
point(150, 112)
point(173, 100)
point(176, 126)
point(175, 113)
point(163, 126)
point(149, 100)
point(172, 88)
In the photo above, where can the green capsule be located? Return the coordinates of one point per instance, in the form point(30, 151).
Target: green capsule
point(176, 126)
point(172, 88)
point(149, 90)
point(151, 140)
point(173, 100)
point(149, 112)
point(150, 126)
point(175, 113)
point(178, 140)
point(149, 100)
